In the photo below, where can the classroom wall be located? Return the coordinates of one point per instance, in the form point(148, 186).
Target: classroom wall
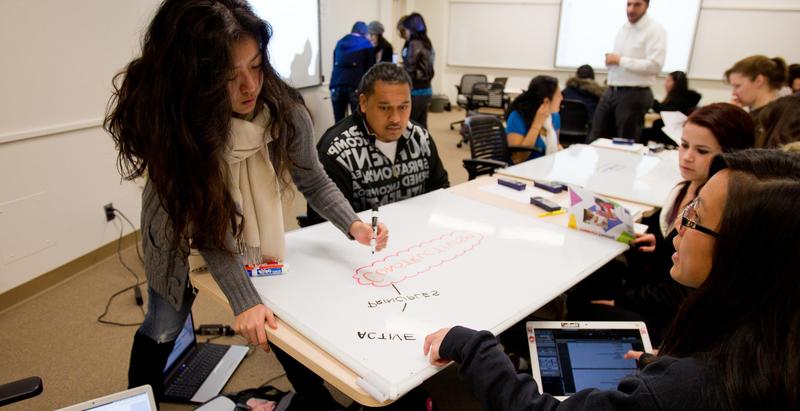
point(761, 35)
point(54, 185)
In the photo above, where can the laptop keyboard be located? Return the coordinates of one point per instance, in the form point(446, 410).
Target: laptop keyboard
point(194, 372)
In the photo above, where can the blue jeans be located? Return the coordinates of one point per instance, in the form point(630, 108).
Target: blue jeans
point(163, 323)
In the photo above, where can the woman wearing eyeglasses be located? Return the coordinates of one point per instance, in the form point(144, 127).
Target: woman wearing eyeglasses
point(734, 344)
point(649, 294)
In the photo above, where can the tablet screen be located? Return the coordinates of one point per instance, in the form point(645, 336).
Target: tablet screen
point(572, 360)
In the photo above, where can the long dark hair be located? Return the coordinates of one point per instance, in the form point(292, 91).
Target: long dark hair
point(731, 125)
point(779, 123)
point(170, 116)
point(414, 23)
point(540, 88)
point(680, 85)
point(745, 318)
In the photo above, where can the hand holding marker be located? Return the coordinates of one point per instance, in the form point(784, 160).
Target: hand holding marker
point(374, 241)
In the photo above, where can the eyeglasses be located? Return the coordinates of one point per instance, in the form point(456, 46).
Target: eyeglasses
point(689, 217)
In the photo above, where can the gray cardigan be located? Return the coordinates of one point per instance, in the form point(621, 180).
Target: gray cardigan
point(166, 262)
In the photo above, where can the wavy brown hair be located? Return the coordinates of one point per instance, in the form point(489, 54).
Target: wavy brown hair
point(170, 112)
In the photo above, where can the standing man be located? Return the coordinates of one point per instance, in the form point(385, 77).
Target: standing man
point(377, 155)
point(639, 51)
point(352, 57)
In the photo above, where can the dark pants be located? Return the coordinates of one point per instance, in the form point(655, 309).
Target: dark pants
point(620, 113)
point(419, 109)
point(341, 98)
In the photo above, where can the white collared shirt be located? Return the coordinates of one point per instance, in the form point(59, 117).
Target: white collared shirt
point(643, 48)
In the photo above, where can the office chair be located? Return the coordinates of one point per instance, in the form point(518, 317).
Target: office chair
point(575, 123)
point(490, 95)
point(488, 145)
point(20, 390)
point(464, 98)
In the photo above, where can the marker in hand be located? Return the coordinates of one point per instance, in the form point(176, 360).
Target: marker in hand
point(374, 241)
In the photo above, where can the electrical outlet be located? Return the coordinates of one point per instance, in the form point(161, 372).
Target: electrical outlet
point(109, 209)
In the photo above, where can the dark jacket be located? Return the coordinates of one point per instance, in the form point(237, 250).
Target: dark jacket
point(386, 50)
point(585, 90)
point(364, 175)
point(352, 57)
point(418, 62)
point(667, 384)
point(685, 102)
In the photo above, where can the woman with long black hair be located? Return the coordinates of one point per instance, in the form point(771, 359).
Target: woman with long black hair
point(734, 343)
point(529, 119)
point(418, 58)
point(205, 118)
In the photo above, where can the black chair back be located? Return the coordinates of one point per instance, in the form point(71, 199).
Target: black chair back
point(487, 138)
point(575, 122)
point(501, 81)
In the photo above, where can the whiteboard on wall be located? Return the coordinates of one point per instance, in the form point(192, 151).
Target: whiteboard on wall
point(725, 36)
point(523, 34)
point(587, 29)
point(450, 261)
point(59, 57)
point(502, 35)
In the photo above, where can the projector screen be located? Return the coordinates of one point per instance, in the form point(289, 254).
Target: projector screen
point(587, 29)
point(294, 47)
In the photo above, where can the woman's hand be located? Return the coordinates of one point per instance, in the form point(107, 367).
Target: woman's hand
point(542, 114)
point(431, 347)
point(646, 242)
point(250, 325)
point(362, 232)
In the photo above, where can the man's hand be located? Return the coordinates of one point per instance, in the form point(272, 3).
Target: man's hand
point(612, 59)
point(362, 232)
point(250, 325)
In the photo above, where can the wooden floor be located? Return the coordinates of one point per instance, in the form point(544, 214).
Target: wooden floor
point(56, 336)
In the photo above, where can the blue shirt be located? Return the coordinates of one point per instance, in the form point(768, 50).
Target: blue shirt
point(515, 124)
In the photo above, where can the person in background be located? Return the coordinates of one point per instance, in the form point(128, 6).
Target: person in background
point(639, 52)
point(733, 342)
point(219, 136)
point(530, 121)
point(584, 88)
point(756, 81)
point(352, 57)
point(778, 123)
point(418, 58)
point(403, 160)
point(679, 96)
point(383, 49)
point(794, 78)
point(649, 293)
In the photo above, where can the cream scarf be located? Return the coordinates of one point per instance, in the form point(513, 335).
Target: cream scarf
point(254, 187)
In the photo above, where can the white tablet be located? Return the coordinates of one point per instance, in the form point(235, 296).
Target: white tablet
point(567, 357)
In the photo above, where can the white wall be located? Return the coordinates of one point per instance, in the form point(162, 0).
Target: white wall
point(54, 186)
point(712, 90)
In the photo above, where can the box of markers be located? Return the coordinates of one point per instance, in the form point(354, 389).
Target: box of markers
point(269, 268)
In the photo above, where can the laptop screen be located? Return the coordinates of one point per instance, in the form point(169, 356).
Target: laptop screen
point(140, 402)
point(135, 399)
point(574, 359)
point(184, 342)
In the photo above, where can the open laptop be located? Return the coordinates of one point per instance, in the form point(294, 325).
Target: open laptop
point(138, 399)
point(196, 372)
point(567, 357)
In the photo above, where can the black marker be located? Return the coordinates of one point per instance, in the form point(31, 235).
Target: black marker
point(374, 241)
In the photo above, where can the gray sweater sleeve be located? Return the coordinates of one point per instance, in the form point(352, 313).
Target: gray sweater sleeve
point(311, 179)
point(227, 270)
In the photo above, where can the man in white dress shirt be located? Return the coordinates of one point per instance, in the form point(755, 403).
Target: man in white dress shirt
point(639, 51)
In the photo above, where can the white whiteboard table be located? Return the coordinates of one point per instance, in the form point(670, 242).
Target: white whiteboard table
point(644, 179)
point(450, 261)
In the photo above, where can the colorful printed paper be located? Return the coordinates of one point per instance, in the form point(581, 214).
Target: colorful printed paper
point(592, 213)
